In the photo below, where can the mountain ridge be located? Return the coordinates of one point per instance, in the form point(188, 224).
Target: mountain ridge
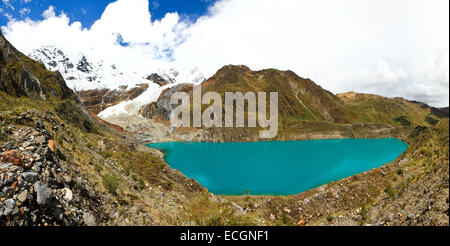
point(302, 105)
point(22, 76)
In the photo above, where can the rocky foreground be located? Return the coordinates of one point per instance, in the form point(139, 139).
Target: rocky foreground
point(36, 188)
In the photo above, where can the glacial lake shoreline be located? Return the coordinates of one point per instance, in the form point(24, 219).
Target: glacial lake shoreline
point(277, 168)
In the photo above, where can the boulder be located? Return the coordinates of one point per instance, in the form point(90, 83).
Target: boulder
point(30, 177)
point(22, 197)
point(43, 193)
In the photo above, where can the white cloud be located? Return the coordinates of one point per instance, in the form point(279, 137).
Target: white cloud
point(392, 48)
point(24, 11)
point(49, 13)
point(8, 4)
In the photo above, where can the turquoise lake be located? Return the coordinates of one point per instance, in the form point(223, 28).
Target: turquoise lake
point(277, 168)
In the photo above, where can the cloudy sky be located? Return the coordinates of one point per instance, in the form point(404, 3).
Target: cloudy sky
point(387, 47)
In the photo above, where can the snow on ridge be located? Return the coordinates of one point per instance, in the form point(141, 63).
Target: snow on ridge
point(81, 72)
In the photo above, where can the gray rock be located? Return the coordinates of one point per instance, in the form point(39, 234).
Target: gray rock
point(68, 195)
point(30, 177)
point(58, 213)
point(15, 211)
point(67, 179)
point(8, 211)
point(22, 197)
point(43, 193)
point(26, 144)
point(10, 205)
point(5, 167)
point(36, 169)
point(306, 201)
point(238, 210)
point(272, 217)
point(41, 140)
point(89, 219)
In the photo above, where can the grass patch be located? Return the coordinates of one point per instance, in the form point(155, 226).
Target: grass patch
point(133, 197)
point(105, 154)
point(330, 218)
point(431, 120)
point(111, 183)
point(98, 167)
point(402, 120)
point(390, 191)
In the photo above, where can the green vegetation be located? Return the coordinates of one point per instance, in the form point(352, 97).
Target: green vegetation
point(111, 183)
point(98, 167)
point(133, 197)
point(390, 192)
point(105, 154)
point(402, 120)
point(285, 221)
point(367, 108)
point(330, 218)
point(431, 121)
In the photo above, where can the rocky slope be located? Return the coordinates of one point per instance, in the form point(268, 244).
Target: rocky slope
point(100, 99)
point(22, 76)
point(38, 188)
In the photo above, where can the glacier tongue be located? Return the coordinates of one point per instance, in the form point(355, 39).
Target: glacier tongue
point(132, 107)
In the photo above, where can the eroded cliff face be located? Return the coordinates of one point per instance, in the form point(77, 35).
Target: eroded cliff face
point(101, 99)
point(162, 107)
point(22, 76)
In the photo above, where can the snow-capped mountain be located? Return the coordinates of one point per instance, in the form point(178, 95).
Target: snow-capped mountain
point(80, 72)
point(84, 73)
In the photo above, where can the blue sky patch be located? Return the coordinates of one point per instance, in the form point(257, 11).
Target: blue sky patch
point(88, 11)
